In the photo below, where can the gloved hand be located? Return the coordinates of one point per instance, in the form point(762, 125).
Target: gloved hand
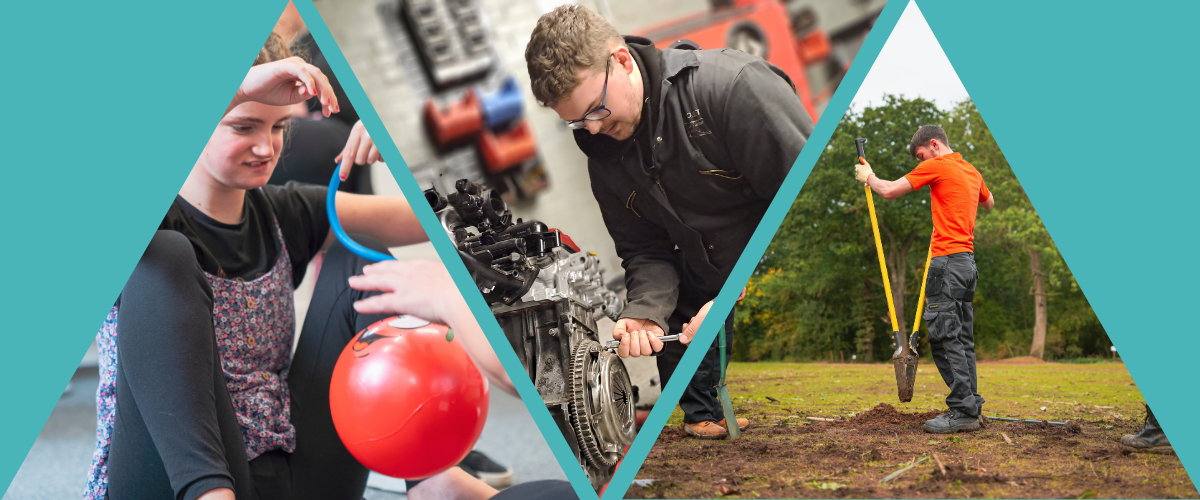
point(862, 171)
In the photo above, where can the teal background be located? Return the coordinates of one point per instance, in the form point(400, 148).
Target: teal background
point(109, 104)
point(106, 107)
point(1094, 107)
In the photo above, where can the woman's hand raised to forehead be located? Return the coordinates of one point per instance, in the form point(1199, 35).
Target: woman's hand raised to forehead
point(286, 82)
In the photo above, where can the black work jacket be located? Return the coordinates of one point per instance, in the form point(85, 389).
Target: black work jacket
point(719, 132)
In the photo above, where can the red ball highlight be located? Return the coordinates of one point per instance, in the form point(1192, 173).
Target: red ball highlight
point(406, 399)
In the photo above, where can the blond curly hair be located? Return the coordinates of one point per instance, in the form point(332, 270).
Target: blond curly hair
point(565, 40)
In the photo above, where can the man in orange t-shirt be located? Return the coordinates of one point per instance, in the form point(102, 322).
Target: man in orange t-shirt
point(957, 191)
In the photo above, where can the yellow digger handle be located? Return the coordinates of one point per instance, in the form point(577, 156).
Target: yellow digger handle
point(887, 284)
point(924, 280)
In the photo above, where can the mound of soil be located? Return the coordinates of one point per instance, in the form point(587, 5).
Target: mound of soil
point(884, 414)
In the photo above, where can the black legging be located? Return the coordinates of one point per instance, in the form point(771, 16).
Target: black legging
point(176, 434)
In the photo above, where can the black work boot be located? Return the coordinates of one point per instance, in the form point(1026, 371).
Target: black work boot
point(952, 420)
point(1152, 435)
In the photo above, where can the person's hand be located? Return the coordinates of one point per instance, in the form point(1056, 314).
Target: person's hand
point(286, 82)
point(743, 295)
point(639, 337)
point(862, 171)
point(359, 150)
point(689, 328)
point(418, 288)
point(424, 289)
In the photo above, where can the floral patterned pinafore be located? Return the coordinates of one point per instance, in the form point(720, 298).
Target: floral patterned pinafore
point(255, 322)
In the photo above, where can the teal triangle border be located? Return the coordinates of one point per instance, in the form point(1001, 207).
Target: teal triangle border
point(109, 105)
point(1103, 153)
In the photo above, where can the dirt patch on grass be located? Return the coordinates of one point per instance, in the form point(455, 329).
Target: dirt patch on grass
point(786, 455)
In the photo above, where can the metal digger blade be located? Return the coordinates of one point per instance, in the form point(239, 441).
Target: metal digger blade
point(731, 424)
point(905, 361)
point(727, 408)
point(906, 375)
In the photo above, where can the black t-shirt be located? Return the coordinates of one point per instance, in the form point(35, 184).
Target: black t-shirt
point(309, 152)
point(248, 249)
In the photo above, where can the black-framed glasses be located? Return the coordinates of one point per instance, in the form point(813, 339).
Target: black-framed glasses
point(600, 112)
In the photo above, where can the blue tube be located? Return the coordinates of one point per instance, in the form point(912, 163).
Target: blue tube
point(342, 237)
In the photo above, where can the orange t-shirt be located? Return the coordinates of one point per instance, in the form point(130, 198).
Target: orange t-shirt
point(957, 190)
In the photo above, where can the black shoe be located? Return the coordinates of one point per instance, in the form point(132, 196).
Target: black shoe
point(1152, 435)
point(491, 473)
point(952, 420)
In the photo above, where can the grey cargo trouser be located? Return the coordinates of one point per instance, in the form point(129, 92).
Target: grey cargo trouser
point(950, 319)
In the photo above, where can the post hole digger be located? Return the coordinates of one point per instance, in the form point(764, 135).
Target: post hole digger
point(905, 358)
point(723, 393)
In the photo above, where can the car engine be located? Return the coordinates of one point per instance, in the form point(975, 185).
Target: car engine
point(547, 296)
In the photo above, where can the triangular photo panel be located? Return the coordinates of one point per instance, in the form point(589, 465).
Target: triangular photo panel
point(289, 332)
point(569, 238)
point(921, 336)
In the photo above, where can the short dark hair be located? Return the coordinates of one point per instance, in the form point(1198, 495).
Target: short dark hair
point(924, 135)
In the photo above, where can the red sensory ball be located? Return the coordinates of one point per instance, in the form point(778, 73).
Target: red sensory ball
point(406, 399)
